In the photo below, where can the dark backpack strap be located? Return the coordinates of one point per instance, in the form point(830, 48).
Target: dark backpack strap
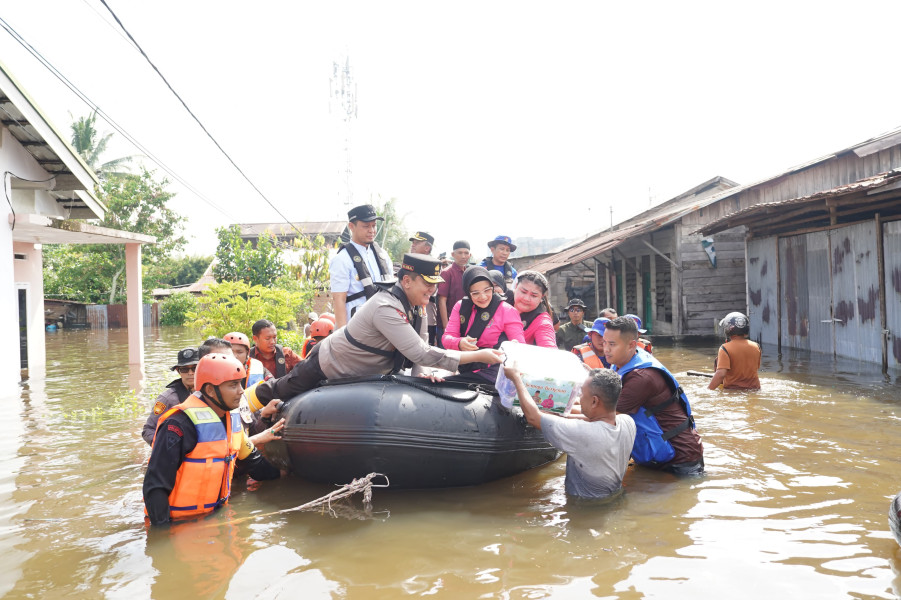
point(363, 274)
point(530, 316)
point(384, 269)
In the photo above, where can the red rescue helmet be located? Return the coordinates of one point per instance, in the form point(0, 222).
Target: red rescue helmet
point(329, 317)
point(217, 369)
point(236, 337)
point(321, 327)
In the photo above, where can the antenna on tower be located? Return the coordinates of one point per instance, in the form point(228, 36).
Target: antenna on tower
point(343, 107)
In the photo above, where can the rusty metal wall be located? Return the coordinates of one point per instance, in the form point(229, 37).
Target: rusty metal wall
point(820, 331)
point(762, 285)
point(855, 292)
point(793, 275)
point(96, 314)
point(891, 243)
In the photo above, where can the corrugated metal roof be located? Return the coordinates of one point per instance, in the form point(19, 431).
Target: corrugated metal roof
point(736, 218)
point(40, 138)
point(650, 220)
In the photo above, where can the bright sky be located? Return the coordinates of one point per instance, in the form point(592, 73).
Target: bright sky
point(481, 118)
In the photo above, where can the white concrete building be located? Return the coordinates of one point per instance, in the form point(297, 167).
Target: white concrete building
point(46, 185)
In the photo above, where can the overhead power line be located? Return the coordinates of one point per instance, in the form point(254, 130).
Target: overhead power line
point(190, 112)
point(92, 105)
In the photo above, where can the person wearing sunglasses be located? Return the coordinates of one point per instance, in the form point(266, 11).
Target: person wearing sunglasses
point(176, 392)
point(570, 334)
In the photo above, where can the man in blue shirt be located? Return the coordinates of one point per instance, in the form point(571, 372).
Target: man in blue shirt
point(501, 247)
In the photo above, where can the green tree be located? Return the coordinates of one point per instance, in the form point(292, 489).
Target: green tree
point(174, 309)
point(237, 260)
point(184, 270)
point(236, 305)
point(94, 273)
point(393, 235)
point(86, 142)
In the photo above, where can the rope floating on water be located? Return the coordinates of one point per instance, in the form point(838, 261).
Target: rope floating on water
point(364, 485)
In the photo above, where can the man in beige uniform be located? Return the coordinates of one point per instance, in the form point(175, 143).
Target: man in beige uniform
point(387, 334)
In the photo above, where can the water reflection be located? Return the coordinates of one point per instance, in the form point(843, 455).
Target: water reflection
point(794, 503)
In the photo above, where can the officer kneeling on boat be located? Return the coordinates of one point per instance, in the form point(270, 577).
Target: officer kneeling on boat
point(387, 334)
point(196, 445)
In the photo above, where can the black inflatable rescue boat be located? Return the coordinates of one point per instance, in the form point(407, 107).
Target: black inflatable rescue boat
point(418, 433)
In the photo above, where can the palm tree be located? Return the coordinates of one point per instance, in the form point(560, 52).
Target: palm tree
point(87, 144)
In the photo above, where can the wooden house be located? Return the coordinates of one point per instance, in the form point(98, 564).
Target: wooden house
point(655, 265)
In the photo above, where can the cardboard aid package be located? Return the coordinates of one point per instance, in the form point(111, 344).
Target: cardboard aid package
point(552, 377)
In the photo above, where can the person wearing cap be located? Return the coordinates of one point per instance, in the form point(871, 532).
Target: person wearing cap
point(571, 333)
point(386, 335)
point(176, 392)
point(481, 320)
point(450, 290)
point(197, 445)
point(421, 243)
point(643, 343)
point(501, 247)
point(358, 265)
point(667, 439)
point(591, 352)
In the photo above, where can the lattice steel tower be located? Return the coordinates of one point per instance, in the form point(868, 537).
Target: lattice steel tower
point(343, 107)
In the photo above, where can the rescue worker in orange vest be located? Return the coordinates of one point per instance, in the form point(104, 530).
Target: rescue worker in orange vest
point(256, 372)
point(320, 329)
point(592, 352)
point(196, 446)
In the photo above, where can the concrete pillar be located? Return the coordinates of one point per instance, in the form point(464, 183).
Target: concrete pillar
point(30, 277)
point(9, 319)
point(134, 302)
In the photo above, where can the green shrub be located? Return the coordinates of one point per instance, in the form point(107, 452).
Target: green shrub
point(174, 309)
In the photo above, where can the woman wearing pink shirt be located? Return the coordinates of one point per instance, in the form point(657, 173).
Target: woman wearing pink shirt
point(480, 320)
point(530, 299)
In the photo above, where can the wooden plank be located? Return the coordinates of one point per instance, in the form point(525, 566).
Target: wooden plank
point(661, 254)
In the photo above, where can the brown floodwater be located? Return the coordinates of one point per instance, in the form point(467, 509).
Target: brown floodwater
point(794, 503)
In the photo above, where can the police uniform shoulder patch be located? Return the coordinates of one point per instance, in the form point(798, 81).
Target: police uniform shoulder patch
point(158, 408)
point(462, 319)
point(281, 361)
point(358, 258)
point(485, 316)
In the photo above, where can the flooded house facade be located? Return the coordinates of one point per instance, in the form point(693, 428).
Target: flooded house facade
point(823, 251)
point(49, 193)
point(657, 266)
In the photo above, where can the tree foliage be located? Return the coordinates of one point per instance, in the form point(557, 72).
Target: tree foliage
point(393, 235)
point(237, 260)
point(184, 270)
point(175, 309)
point(236, 305)
point(95, 272)
point(90, 146)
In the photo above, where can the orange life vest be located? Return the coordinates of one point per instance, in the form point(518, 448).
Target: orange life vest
point(645, 345)
point(203, 482)
point(586, 353)
point(306, 347)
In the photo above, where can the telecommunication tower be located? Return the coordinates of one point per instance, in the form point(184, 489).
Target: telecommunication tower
point(343, 108)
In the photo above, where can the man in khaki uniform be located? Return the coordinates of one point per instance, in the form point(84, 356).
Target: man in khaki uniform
point(387, 334)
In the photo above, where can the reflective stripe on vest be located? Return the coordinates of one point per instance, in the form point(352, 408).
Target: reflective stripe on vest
point(588, 356)
point(204, 478)
point(255, 372)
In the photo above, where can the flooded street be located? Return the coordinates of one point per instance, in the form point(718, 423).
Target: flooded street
point(794, 504)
